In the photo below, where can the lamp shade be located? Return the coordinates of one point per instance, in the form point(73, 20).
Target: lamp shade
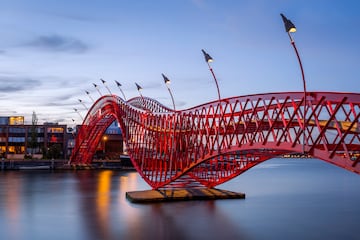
point(289, 26)
point(208, 58)
point(138, 87)
point(117, 83)
point(166, 80)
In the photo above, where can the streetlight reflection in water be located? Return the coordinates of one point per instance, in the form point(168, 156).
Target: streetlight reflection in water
point(91, 204)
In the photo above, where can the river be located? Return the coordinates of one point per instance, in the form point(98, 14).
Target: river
point(285, 199)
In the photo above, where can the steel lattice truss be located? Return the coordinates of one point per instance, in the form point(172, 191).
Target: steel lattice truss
point(212, 143)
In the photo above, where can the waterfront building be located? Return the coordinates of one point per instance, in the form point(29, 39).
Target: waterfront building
point(20, 141)
point(51, 140)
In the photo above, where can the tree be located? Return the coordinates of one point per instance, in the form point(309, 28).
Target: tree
point(54, 152)
point(33, 143)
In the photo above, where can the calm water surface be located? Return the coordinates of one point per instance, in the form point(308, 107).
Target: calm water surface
point(285, 199)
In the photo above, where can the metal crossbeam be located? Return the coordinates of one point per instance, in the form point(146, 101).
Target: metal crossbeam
point(212, 143)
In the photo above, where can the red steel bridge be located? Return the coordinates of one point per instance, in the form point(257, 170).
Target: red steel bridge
point(214, 142)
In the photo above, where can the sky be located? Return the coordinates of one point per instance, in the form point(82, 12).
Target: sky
point(51, 52)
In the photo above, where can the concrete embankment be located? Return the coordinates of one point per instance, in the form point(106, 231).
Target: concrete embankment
point(61, 164)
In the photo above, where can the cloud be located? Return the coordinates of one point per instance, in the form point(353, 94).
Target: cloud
point(151, 85)
point(7, 111)
point(60, 104)
point(180, 103)
point(15, 84)
point(57, 43)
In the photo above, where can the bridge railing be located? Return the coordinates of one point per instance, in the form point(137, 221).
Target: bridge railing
point(216, 141)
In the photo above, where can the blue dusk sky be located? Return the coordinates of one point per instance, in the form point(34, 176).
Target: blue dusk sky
point(52, 51)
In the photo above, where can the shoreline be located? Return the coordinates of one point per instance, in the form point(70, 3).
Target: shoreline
point(60, 164)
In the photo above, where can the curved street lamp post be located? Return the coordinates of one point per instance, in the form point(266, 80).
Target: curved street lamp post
point(167, 82)
point(96, 87)
point(119, 86)
point(208, 60)
point(104, 82)
point(139, 88)
point(290, 28)
point(88, 93)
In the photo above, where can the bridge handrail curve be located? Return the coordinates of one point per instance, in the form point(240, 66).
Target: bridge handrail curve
point(251, 135)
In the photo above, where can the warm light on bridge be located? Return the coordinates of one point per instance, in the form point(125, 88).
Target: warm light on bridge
point(181, 149)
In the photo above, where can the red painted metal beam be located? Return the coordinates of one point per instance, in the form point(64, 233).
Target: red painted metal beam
point(214, 142)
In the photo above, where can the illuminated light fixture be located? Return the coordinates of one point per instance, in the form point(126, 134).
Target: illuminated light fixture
point(208, 58)
point(166, 79)
point(290, 28)
point(167, 83)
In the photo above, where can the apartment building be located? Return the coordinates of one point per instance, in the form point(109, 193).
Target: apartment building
point(19, 140)
point(50, 140)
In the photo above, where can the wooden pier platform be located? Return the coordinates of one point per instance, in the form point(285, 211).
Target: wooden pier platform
point(148, 196)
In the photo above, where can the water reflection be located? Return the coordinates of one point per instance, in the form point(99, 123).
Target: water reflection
point(94, 197)
point(108, 215)
point(12, 203)
point(127, 183)
point(192, 220)
point(103, 202)
point(92, 205)
point(102, 198)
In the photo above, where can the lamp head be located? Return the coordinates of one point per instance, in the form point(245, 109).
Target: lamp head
point(103, 81)
point(87, 92)
point(208, 58)
point(166, 80)
point(289, 26)
point(118, 84)
point(80, 100)
point(95, 85)
point(138, 87)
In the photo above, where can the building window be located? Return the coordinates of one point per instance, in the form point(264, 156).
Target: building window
point(16, 120)
point(55, 130)
point(16, 130)
point(16, 149)
point(17, 139)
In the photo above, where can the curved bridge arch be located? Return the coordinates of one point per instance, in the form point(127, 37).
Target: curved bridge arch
point(214, 142)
